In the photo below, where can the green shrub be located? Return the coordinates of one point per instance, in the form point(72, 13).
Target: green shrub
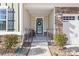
point(60, 39)
point(10, 41)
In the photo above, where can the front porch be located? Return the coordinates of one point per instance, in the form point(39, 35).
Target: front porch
point(52, 18)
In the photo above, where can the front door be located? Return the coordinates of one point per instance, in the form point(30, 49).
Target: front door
point(39, 26)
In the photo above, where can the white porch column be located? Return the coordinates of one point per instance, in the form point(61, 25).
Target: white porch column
point(54, 30)
point(21, 17)
point(21, 22)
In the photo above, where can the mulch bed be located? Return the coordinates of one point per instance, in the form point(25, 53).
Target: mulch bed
point(11, 52)
point(55, 51)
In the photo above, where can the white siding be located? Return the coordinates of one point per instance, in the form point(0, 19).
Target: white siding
point(26, 20)
point(33, 23)
point(45, 24)
point(15, 6)
point(51, 24)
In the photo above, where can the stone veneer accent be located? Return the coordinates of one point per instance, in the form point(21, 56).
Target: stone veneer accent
point(59, 11)
point(58, 23)
point(67, 10)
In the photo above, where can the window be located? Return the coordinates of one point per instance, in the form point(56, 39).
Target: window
point(2, 25)
point(10, 25)
point(78, 17)
point(72, 17)
point(2, 13)
point(2, 19)
point(10, 19)
point(7, 19)
point(68, 17)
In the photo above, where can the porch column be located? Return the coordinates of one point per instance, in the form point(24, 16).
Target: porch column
point(21, 17)
point(21, 22)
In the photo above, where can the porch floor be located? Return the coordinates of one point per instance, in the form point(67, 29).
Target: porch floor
point(39, 47)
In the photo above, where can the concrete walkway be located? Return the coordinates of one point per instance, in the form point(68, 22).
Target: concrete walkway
point(39, 47)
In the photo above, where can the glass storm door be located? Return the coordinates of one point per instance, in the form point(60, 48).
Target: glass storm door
point(39, 26)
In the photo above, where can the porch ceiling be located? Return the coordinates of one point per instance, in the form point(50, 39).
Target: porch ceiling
point(43, 9)
point(37, 9)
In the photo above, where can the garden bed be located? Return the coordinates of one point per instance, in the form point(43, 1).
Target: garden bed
point(55, 51)
point(4, 52)
point(11, 52)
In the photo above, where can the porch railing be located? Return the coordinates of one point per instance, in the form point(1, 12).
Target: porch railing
point(49, 35)
point(28, 37)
